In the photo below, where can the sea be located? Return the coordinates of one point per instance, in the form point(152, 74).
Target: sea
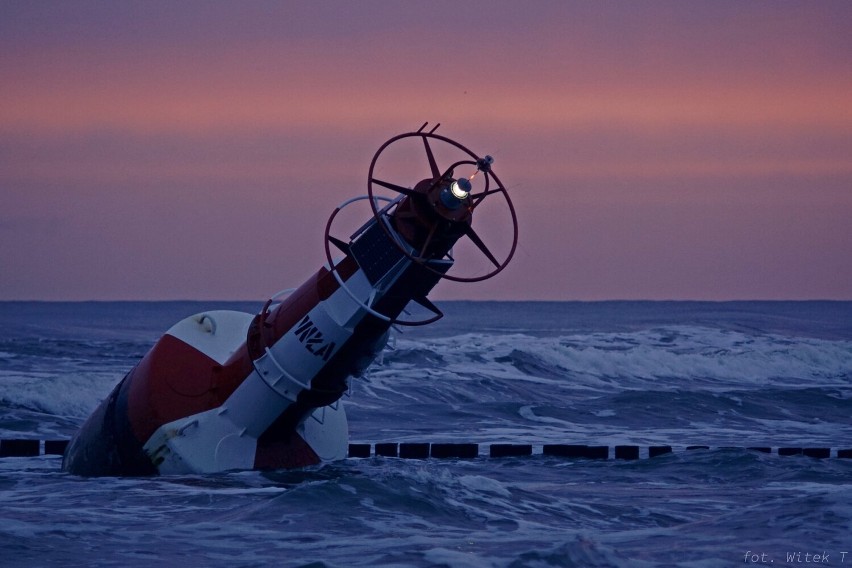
point(717, 377)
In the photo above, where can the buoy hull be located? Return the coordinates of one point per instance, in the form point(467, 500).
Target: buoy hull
point(226, 390)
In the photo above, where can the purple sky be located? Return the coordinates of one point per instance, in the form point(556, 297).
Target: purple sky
point(654, 150)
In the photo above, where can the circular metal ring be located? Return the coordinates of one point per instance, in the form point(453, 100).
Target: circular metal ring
point(437, 175)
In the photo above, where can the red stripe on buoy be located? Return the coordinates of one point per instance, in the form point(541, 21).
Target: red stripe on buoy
point(172, 381)
point(284, 454)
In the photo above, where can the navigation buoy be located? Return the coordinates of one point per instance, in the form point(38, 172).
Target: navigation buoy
point(225, 390)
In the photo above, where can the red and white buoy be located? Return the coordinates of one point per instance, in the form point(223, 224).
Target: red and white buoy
point(226, 390)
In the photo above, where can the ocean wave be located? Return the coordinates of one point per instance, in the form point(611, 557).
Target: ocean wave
point(499, 369)
point(60, 394)
point(670, 357)
point(690, 384)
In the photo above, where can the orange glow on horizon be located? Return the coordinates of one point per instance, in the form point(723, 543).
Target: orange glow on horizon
point(664, 144)
point(164, 108)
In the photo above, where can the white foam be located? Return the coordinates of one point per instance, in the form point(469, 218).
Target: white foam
point(62, 394)
point(480, 484)
point(664, 357)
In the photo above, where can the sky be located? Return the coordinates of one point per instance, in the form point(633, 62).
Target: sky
point(656, 150)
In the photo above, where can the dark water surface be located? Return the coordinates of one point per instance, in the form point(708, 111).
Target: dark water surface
point(727, 375)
